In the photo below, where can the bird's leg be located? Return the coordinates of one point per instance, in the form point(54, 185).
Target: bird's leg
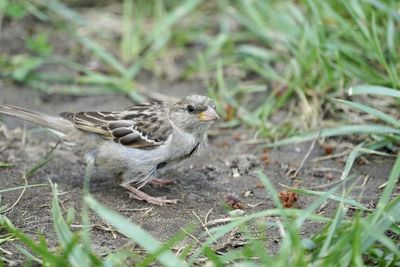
point(162, 182)
point(140, 195)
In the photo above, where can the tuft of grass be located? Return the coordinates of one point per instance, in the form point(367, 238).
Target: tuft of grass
point(385, 134)
point(307, 49)
point(252, 56)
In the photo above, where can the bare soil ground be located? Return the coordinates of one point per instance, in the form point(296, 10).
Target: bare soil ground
point(203, 185)
point(227, 167)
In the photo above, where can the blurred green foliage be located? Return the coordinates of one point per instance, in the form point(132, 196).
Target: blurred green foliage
point(14, 9)
point(255, 58)
point(39, 44)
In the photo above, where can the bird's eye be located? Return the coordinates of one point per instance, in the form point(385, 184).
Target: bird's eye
point(190, 109)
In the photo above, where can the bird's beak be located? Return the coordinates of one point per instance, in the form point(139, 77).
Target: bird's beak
point(208, 115)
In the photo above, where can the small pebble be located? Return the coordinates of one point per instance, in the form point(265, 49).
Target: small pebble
point(235, 173)
point(236, 213)
point(247, 193)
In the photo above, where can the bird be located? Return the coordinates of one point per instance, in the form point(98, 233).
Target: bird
point(135, 142)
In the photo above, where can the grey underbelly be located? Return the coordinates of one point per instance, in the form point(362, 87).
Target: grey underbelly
point(138, 165)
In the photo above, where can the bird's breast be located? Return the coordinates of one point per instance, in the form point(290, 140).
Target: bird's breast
point(181, 145)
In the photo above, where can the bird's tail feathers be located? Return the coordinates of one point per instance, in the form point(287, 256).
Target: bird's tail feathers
point(58, 125)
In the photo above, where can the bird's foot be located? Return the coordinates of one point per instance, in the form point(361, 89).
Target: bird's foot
point(140, 195)
point(162, 182)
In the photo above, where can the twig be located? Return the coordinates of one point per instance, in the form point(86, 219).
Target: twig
point(112, 230)
point(23, 138)
point(208, 214)
point(219, 221)
point(201, 222)
point(178, 250)
point(10, 262)
point(147, 212)
point(314, 187)
point(383, 185)
point(325, 185)
point(365, 180)
point(9, 253)
point(306, 156)
point(43, 161)
point(106, 228)
point(127, 209)
point(363, 188)
point(255, 205)
point(192, 236)
point(327, 170)
point(20, 195)
point(29, 173)
point(328, 157)
point(4, 130)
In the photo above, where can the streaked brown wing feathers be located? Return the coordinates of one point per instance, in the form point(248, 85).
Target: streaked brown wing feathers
point(141, 126)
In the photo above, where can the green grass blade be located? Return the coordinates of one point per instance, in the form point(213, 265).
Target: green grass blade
point(391, 215)
point(173, 17)
point(29, 255)
point(90, 159)
point(77, 257)
point(356, 242)
point(22, 187)
point(220, 231)
point(102, 53)
point(332, 229)
point(336, 197)
point(337, 131)
point(385, 215)
point(379, 236)
point(270, 189)
point(372, 111)
point(41, 251)
point(159, 36)
point(315, 204)
point(65, 12)
point(391, 37)
point(393, 179)
point(350, 161)
point(256, 52)
point(172, 242)
point(6, 164)
point(135, 233)
point(75, 90)
point(128, 40)
point(373, 90)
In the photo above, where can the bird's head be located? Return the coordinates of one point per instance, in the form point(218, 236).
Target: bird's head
point(193, 113)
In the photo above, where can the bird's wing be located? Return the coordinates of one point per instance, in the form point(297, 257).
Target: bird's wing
point(142, 126)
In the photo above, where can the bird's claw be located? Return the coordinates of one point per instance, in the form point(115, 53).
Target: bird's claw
point(162, 182)
point(160, 201)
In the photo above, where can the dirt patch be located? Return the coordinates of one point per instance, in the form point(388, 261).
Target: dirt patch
point(226, 167)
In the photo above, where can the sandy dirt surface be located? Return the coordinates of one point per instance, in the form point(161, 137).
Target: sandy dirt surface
point(203, 185)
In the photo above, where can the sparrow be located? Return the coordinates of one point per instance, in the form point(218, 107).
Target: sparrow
point(133, 143)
